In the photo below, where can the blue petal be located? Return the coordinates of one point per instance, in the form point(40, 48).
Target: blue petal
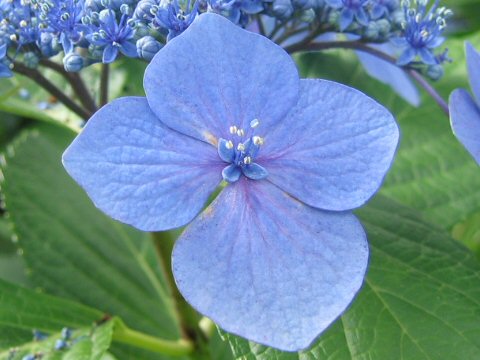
point(222, 76)
point(109, 54)
point(128, 49)
point(231, 173)
point(465, 121)
point(225, 152)
point(378, 11)
point(67, 44)
point(427, 56)
point(269, 268)
point(473, 65)
point(346, 18)
point(3, 51)
point(255, 171)
point(408, 55)
point(361, 16)
point(390, 74)
point(336, 4)
point(333, 149)
point(140, 172)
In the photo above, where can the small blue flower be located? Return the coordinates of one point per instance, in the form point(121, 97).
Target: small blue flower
point(113, 36)
point(422, 32)
point(380, 8)
point(349, 11)
point(64, 18)
point(277, 256)
point(174, 18)
point(465, 109)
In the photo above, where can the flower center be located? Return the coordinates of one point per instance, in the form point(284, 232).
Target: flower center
point(240, 152)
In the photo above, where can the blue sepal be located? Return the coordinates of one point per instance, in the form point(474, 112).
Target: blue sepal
point(226, 154)
point(231, 173)
point(254, 171)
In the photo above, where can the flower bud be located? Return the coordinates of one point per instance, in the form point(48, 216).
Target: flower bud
point(147, 47)
point(73, 62)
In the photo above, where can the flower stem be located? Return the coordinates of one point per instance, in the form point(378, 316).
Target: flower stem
point(76, 82)
point(128, 336)
point(357, 45)
point(41, 80)
point(104, 84)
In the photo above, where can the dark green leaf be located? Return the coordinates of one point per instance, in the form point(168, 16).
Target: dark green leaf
point(75, 251)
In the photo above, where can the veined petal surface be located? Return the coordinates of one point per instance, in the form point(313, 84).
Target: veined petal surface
point(333, 149)
point(465, 121)
point(473, 65)
point(215, 75)
point(267, 267)
point(139, 171)
point(389, 73)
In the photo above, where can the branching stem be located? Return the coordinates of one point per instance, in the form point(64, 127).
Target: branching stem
point(76, 82)
point(41, 80)
point(357, 45)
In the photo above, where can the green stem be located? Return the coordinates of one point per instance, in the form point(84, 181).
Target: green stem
point(104, 84)
point(128, 336)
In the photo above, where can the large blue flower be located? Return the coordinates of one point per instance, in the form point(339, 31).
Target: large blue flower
point(464, 110)
point(276, 257)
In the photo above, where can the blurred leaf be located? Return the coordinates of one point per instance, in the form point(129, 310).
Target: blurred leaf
point(420, 300)
point(88, 343)
point(23, 310)
point(75, 251)
point(21, 96)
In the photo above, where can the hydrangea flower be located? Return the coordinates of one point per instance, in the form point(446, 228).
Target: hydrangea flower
point(277, 256)
point(423, 32)
point(465, 109)
point(350, 10)
point(113, 36)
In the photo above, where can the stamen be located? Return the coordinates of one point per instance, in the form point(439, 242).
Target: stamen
point(247, 160)
point(233, 129)
point(254, 123)
point(257, 140)
point(240, 132)
point(241, 147)
point(229, 144)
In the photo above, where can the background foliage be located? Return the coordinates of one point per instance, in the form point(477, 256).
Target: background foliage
point(420, 300)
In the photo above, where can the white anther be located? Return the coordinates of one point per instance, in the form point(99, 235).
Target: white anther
point(13, 37)
point(23, 23)
point(257, 140)
point(240, 132)
point(233, 129)
point(424, 33)
point(254, 123)
point(241, 147)
point(229, 144)
point(247, 160)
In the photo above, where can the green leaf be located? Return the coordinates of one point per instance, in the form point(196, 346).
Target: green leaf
point(75, 251)
point(87, 343)
point(420, 300)
point(23, 310)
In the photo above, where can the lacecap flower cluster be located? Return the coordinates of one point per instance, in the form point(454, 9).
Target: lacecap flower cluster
point(91, 31)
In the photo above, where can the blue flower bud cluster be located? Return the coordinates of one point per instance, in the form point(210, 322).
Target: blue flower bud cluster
point(63, 342)
point(91, 31)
